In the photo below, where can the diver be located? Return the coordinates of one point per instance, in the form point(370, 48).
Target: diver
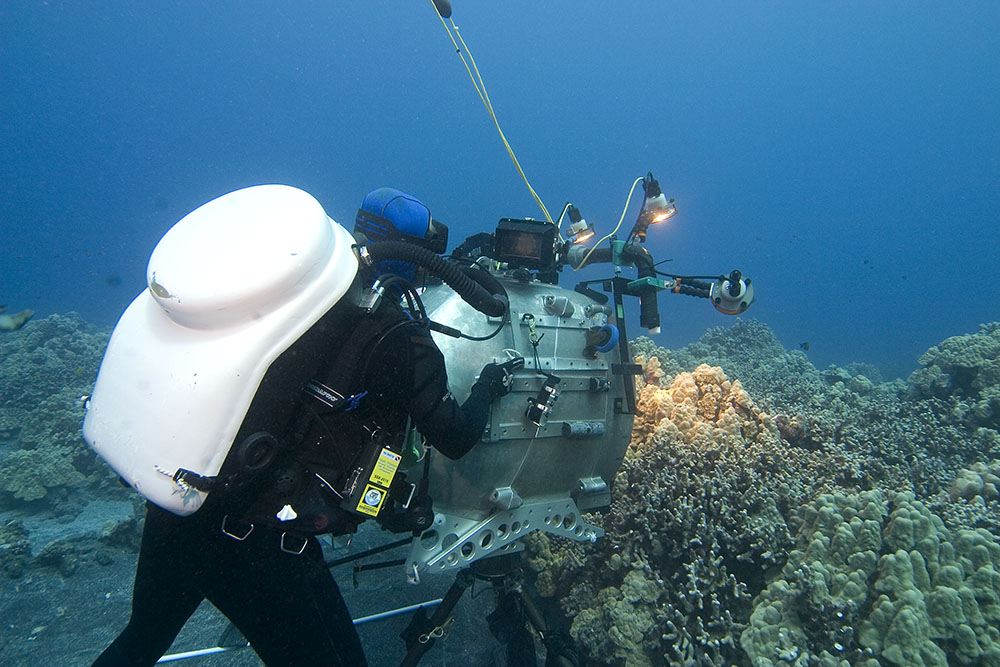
point(377, 371)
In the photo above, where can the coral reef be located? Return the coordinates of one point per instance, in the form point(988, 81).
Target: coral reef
point(979, 479)
point(710, 493)
point(767, 513)
point(780, 380)
point(889, 428)
point(697, 518)
point(972, 500)
point(46, 367)
point(964, 371)
point(47, 474)
point(27, 474)
point(91, 536)
point(875, 583)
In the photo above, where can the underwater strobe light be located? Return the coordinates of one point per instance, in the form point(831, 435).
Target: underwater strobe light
point(580, 230)
point(656, 208)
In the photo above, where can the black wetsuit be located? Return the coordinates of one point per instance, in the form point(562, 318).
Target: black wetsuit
point(287, 606)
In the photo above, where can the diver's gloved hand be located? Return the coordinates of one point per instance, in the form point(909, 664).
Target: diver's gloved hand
point(499, 378)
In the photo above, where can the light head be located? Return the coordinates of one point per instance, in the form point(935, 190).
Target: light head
point(580, 230)
point(655, 208)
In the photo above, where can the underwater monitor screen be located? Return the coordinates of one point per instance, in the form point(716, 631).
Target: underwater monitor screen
point(525, 243)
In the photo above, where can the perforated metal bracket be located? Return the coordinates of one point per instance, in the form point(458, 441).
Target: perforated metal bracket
point(453, 542)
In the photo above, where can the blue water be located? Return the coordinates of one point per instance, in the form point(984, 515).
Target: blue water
point(845, 156)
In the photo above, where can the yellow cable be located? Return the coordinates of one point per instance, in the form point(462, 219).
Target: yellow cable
point(559, 222)
point(485, 99)
point(613, 231)
point(479, 77)
point(563, 214)
point(459, 52)
point(489, 108)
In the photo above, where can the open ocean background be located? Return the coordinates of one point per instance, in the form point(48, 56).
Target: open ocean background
point(845, 156)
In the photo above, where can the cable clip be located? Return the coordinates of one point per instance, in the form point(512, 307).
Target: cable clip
point(438, 632)
point(533, 336)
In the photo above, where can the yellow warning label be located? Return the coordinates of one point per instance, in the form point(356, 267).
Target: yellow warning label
point(385, 468)
point(371, 500)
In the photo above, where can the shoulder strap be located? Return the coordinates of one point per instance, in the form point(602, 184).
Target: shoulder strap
point(350, 362)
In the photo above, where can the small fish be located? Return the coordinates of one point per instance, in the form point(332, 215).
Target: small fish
point(804, 346)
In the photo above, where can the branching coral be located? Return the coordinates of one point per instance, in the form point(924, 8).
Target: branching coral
point(698, 514)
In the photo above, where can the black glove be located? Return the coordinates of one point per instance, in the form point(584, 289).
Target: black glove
point(499, 378)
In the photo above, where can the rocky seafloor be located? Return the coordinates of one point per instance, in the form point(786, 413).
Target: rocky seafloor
point(768, 513)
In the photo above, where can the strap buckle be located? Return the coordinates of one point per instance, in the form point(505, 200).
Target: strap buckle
point(235, 536)
point(437, 632)
point(289, 549)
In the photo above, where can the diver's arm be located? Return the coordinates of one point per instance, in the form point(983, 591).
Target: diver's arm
point(450, 428)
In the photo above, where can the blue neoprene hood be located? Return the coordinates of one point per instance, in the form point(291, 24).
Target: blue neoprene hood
point(407, 213)
point(396, 216)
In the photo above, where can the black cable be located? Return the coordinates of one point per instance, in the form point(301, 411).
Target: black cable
point(368, 552)
point(503, 322)
point(671, 275)
point(413, 300)
point(529, 319)
point(379, 566)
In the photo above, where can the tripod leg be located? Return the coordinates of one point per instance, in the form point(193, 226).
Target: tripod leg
point(509, 624)
point(516, 615)
point(422, 632)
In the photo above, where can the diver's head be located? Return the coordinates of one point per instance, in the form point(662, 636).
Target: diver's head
point(387, 214)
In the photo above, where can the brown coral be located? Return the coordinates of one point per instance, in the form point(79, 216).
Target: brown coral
point(697, 408)
point(698, 509)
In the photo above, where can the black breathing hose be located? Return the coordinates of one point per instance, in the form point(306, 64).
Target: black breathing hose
point(484, 278)
point(482, 293)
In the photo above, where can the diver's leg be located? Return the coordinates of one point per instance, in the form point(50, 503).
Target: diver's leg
point(287, 606)
point(164, 595)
